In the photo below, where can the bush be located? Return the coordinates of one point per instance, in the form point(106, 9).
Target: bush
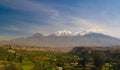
point(13, 66)
point(43, 66)
point(67, 68)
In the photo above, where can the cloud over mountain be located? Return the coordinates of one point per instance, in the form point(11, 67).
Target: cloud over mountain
point(26, 17)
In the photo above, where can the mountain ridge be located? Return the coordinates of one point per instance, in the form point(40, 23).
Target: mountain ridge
point(66, 39)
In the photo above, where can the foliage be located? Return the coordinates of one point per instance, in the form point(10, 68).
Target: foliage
point(13, 66)
point(12, 58)
point(98, 60)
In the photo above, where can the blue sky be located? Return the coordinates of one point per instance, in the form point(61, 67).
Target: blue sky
point(21, 18)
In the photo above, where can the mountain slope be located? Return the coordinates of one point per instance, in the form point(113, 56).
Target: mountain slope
point(66, 39)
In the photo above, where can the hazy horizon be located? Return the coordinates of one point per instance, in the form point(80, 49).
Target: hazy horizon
point(21, 18)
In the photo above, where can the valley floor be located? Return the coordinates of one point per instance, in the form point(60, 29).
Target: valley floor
point(79, 58)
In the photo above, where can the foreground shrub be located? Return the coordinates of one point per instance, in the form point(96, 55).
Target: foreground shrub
point(13, 66)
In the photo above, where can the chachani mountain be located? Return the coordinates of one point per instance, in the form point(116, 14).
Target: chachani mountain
point(66, 39)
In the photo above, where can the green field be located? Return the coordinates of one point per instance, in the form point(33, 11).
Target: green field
point(27, 65)
point(16, 59)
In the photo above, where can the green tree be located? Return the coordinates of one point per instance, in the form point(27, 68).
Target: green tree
point(98, 61)
point(12, 66)
point(116, 66)
point(85, 58)
point(20, 59)
point(67, 68)
point(43, 66)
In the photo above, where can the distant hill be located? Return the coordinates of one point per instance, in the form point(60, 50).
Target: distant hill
point(78, 50)
point(66, 39)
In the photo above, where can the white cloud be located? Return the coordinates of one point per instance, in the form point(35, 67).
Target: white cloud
point(29, 6)
point(70, 23)
point(58, 21)
point(96, 30)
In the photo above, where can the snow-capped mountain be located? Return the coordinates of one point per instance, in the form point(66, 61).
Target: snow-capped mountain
point(63, 33)
point(82, 33)
point(70, 33)
point(66, 38)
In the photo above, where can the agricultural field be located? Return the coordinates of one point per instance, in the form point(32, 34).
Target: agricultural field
point(17, 59)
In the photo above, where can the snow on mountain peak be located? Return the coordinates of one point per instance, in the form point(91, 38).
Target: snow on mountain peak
point(88, 31)
point(64, 33)
point(79, 33)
